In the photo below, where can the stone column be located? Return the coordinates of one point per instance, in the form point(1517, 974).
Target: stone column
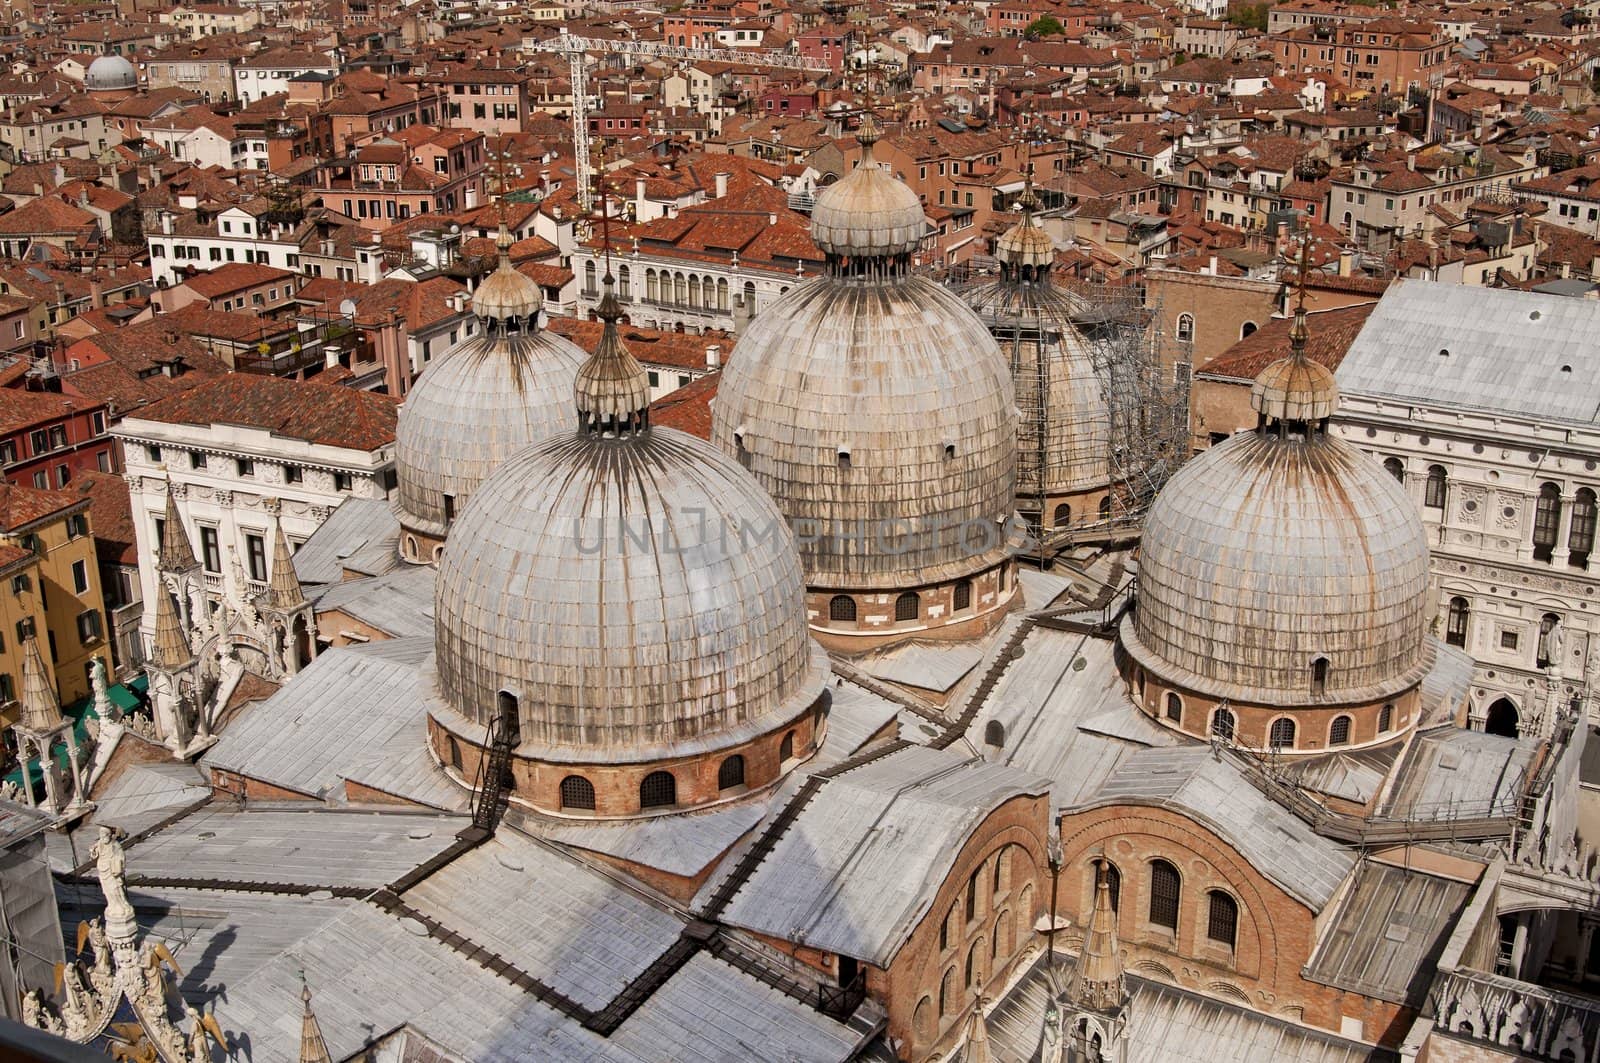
point(1519, 945)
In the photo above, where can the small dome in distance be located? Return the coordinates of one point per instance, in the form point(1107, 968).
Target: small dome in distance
point(506, 292)
point(1295, 388)
point(110, 73)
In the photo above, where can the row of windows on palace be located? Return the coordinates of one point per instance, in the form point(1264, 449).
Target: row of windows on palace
point(1546, 513)
point(246, 468)
point(670, 288)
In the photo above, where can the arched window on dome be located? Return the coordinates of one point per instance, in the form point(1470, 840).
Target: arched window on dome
point(577, 793)
point(786, 748)
point(842, 607)
point(1222, 725)
point(1185, 328)
point(731, 773)
point(1455, 627)
point(1434, 491)
point(588, 279)
point(1396, 468)
point(1105, 508)
point(1281, 736)
point(947, 992)
point(962, 596)
point(658, 790)
point(1222, 923)
point(1166, 889)
point(1546, 522)
point(1174, 707)
point(907, 607)
point(624, 283)
point(1580, 540)
point(1339, 731)
point(974, 972)
point(1319, 676)
point(1386, 718)
point(1247, 330)
point(1062, 516)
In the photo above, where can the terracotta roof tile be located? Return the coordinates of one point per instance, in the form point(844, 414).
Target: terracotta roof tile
point(22, 506)
point(110, 515)
point(1332, 333)
point(326, 414)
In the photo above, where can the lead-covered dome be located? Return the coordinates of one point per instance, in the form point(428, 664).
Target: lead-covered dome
point(507, 387)
point(110, 73)
point(878, 411)
point(869, 212)
point(1064, 425)
point(1283, 567)
point(633, 590)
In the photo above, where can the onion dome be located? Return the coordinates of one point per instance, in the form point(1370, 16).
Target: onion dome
point(1025, 245)
point(1283, 567)
point(870, 213)
point(484, 400)
point(634, 590)
point(875, 407)
point(111, 73)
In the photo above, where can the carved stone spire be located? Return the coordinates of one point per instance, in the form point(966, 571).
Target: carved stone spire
point(41, 712)
point(177, 554)
point(1099, 982)
point(171, 648)
point(977, 1050)
point(313, 1049)
point(283, 591)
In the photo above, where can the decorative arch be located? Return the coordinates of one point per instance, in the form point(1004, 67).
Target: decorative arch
point(577, 794)
point(842, 608)
point(1339, 731)
point(1174, 707)
point(1503, 718)
point(1281, 734)
point(1185, 328)
point(659, 789)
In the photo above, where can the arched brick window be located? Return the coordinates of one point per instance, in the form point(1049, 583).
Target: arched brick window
point(1222, 922)
point(963, 595)
point(577, 793)
point(731, 773)
point(1386, 718)
point(907, 607)
point(1222, 724)
point(1282, 734)
point(1174, 707)
point(1339, 731)
point(842, 607)
point(1165, 891)
point(658, 790)
point(786, 748)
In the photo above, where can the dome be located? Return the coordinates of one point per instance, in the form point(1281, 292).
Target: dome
point(484, 400)
point(886, 406)
point(1275, 549)
point(506, 293)
point(869, 212)
point(110, 72)
point(1295, 389)
point(635, 590)
point(1025, 244)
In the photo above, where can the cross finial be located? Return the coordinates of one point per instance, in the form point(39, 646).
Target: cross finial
point(605, 205)
point(1298, 332)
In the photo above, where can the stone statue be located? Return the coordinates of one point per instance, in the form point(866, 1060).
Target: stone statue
point(104, 707)
point(1554, 641)
point(111, 865)
point(35, 1014)
point(1515, 1023)
point(203, 1029)
point(77, 1002)
point(1569, 1036)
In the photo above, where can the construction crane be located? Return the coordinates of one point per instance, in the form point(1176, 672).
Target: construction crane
point(577, 49)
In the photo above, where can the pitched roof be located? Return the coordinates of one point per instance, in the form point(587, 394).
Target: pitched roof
point(1332, 333)
point(110, 515)
point(327, 414)
point(24, 506)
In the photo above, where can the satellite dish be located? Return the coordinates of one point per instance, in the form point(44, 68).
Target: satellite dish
point(348, 308)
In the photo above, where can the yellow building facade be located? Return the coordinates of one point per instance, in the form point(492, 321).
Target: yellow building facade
point(60, 594)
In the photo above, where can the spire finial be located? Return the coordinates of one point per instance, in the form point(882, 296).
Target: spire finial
point(1299, 332)
point(313, 1048)
point(605, 207)
point(1098, 981)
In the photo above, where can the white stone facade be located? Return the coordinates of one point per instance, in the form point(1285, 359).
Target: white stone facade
point(1481, 523)
point(661, 292)
point(229, 508)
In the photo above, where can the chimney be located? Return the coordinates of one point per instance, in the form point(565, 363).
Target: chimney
point(170, 338)
point(1347, 262)
point(713, 355)
point(38, 189)
point(772, 219)
point(166, 223)
point(97, 295)
point(1411, 161)
point(722, 185)
point(1212, 269)
point(59, 175)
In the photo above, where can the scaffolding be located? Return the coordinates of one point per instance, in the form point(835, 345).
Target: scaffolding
point(1129, 424)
